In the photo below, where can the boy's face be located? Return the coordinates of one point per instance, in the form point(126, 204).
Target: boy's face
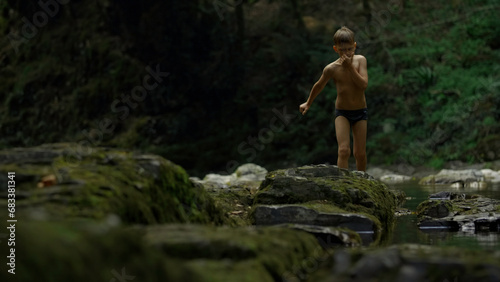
point(345, 49)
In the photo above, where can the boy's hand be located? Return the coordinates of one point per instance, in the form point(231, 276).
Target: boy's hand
point(304, 108)
point(345, 61)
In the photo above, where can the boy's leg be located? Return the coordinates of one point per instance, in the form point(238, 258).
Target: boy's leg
point(359, 147)
point(342, 130)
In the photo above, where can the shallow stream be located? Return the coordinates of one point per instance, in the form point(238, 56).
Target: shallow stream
point(407, 231)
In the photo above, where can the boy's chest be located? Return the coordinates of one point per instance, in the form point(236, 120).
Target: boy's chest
point(342, 73)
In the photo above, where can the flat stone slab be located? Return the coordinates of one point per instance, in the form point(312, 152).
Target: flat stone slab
point(366, 227)
point(328, 236)
point(277, 214)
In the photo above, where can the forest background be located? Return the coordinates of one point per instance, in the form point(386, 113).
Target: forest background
point(212, 84)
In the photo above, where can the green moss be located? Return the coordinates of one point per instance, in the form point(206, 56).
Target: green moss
point(235, 203)
point(323, 206)
point(275, 249)
point(434, 208)
point(88, 252)
point(139, 189)
point(341, 190)
point(230, 270)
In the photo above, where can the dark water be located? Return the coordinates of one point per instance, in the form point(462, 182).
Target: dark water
point(406, 230)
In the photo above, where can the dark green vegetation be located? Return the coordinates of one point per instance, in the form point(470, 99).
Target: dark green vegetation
point(234, 72)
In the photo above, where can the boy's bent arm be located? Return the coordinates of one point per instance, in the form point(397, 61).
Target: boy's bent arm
point(317, 88)
point(360, 76)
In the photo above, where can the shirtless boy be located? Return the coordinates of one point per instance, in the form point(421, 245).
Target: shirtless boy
point(351, 79)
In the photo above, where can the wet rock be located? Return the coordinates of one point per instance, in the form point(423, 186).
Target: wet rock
point(271, 215)
point(378, 172)
point(435, 209)
point(338, 187)
point(409, 263)
point(491, 175)
point(462, 178)
point(367, 227)
point(441, 196)
point(250, 172)
point(325, 195)
point(328, 237)
point(395, 178)
point(248, 175)
point(454, 211)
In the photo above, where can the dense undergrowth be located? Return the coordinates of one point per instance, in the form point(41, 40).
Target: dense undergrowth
point(234, 75)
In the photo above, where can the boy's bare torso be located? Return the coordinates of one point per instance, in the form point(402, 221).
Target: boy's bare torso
point(349, 95)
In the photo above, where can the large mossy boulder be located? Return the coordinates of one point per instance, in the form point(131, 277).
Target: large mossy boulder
point(87, 251)
point(323, 191)
point(58, 181)
point(98, 251)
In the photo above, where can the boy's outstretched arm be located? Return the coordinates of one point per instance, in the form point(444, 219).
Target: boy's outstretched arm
point(316, 89)
point(359, 76)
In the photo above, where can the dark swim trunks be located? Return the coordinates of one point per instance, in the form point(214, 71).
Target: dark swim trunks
point(353, 116)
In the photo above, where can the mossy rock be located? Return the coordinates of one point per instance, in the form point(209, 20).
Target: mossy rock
point(459, 211)
point(138, 188)
point(98, 251)
point(457, 204)
point(407, 262)
point(235, 202)
point(88, 251)
point(353, 192)
point(434, 209)
point(235, 253)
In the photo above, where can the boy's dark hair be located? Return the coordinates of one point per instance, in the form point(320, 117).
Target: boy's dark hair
point(343, 35)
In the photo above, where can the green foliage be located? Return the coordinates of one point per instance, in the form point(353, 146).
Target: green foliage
point(432, 93)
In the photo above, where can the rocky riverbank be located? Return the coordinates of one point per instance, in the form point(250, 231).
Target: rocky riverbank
point(113, 215)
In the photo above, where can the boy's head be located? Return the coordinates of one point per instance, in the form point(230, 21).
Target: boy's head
point(344, 42)
point(343, 35)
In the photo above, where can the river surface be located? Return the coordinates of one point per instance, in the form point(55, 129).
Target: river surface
point(407, 231)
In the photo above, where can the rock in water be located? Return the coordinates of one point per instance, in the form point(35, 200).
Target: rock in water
point(468, 177)
point(409, 263)
point(327, 196)
point(454, 211)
